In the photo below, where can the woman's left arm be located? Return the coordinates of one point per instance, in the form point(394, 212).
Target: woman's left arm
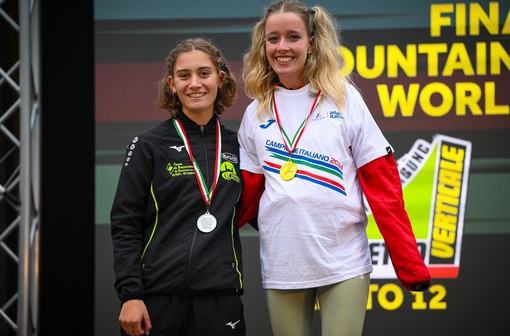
point(380, 182)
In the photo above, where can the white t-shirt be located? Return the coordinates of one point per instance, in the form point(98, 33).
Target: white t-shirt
point(313, 227)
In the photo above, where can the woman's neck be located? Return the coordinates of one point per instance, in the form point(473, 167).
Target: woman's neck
point(289, 85)
point(199, 117)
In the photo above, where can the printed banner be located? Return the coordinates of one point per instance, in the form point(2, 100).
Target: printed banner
point(434, 179)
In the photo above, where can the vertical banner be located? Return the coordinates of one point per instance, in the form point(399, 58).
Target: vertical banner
point(436, 92)
point(434, 179)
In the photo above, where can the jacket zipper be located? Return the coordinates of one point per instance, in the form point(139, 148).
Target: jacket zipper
point(190, 258)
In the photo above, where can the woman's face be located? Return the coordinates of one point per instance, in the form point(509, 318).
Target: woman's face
point(196, 81)
point(287, 47)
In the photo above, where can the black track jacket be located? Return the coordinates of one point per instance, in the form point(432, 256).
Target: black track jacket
point(157, 247)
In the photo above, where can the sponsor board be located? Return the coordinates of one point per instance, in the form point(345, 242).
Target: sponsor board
point(434, 180)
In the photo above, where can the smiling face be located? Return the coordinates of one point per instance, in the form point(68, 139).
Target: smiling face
point(196, 82)
point(287, 47)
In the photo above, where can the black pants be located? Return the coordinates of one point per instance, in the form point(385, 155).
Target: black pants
point(196, 316)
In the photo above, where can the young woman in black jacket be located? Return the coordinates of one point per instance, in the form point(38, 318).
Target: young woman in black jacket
point(177, 252)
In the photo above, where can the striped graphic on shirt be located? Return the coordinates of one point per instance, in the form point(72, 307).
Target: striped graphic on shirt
point(315, 171)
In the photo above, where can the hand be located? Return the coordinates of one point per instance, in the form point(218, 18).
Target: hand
point(419, 287)
point(134, 318)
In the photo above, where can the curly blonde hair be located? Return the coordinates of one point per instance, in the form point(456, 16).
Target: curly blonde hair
point(322, 70)
point(227, 95)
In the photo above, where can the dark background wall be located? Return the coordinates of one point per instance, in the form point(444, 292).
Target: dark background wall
point(66, 269)
point(132, 39)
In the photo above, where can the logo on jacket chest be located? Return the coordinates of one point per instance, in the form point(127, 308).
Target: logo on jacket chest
point(228, 169)
point(176, 169)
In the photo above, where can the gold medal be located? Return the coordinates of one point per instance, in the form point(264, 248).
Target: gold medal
point(288, 171)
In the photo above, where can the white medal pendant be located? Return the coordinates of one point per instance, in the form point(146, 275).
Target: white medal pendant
point(206, 223)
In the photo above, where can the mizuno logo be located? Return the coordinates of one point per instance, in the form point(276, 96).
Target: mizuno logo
point(233, 324)
point(177, 148)
point(269, 123)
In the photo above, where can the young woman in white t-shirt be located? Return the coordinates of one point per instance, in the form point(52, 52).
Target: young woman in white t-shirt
point(310, 149)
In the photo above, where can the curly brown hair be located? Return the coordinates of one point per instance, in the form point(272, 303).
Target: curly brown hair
point(227, 95)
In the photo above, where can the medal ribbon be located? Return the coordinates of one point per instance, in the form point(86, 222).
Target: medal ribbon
point(291, 145)
point(207, 193)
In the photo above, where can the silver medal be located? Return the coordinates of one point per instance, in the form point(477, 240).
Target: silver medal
point(206, 223)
